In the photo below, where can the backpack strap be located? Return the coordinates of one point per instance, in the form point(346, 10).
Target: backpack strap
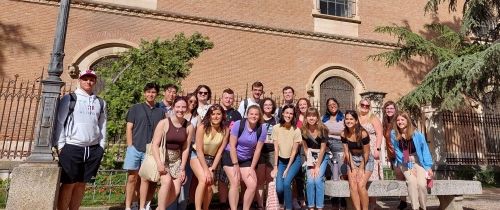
point(259, 130)
point(101, 103)
point(72, 104)
point(242, 127)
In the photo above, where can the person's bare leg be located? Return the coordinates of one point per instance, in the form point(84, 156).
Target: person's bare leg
point(261, 182)
point(166, 184)
point(363, 192)
point(65, 194)
point(233, 195)
point(143, 192)
point(77, 197)
point(353, 187)
point(130, 187)
point(201, 187)
point(251, 183)
point(207, 197)
point(173, 193)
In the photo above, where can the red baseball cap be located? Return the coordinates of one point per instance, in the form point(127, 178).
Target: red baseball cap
point(88, 72)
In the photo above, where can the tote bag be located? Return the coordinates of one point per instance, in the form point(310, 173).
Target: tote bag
point(149, 169)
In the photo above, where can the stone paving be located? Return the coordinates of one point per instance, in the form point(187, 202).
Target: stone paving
point(489, 200)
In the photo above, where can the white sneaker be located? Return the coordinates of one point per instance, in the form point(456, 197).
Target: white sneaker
point(148, 205)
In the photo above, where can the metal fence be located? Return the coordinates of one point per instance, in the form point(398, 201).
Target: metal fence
point(472, 138)
point(19, 101)
point(18, 110)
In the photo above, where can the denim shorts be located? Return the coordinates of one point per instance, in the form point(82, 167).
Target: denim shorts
point(133, 159)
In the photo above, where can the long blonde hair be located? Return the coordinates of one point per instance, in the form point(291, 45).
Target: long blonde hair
point(410, 129)
point(323, 130)
point(370, 113)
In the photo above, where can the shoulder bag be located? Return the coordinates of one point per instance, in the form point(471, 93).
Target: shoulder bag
point(149, 169)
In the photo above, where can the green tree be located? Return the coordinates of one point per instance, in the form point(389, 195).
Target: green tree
point(465, 69)
point(160, 61)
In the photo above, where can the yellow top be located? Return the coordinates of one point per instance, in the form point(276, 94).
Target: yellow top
point(211, 143)
point(285, 138)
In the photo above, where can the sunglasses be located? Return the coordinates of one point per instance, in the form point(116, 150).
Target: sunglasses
point(202, 93)
point(365, 106)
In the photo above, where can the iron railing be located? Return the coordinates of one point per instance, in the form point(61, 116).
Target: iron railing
point(19, 101)
point(18, 110)
point(471, 138)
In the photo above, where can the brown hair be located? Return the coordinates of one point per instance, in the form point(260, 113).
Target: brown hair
point(323, 130)
point(297, 110)
point(410, 129)
point(358, 129)
point(389, 121)
point(207, 122)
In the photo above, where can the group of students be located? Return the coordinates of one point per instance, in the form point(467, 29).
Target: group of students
point(245, 149)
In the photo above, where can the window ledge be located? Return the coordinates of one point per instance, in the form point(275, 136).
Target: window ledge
point(338, 18)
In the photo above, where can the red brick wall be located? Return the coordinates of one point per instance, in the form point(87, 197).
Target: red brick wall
point(239, 57)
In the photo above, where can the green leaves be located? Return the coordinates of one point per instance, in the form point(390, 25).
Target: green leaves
point(473, 77)
point(160, 61)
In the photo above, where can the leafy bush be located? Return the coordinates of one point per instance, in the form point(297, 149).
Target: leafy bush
point(159, 61)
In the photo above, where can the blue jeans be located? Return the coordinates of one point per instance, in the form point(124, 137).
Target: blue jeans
point(284, 185)
point(315, 187)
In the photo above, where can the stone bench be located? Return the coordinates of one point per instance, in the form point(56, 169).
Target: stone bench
point(449, 192)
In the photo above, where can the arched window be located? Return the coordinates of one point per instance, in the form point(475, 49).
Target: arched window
point(339, 89)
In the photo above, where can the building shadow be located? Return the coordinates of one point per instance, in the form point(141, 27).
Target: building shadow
point(418, 67)
point(12, 41)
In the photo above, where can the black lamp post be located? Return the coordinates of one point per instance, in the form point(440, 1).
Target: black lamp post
point(51, 91)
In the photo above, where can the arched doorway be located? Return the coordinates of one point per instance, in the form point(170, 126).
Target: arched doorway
point(104, 62)
point(339, 89)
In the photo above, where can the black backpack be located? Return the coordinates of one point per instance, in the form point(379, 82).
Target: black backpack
point(72, 103)
point(242, 127)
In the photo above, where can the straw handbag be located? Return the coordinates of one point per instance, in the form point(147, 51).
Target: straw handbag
point(149, 169)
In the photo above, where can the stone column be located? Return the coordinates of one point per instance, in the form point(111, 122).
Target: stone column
point(435, 135)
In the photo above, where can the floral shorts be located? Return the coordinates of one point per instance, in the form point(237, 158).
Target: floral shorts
point(173, 162)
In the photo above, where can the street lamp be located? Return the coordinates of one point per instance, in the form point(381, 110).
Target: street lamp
point(51, 91)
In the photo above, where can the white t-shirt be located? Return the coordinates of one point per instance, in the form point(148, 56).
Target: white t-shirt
point(241, 108)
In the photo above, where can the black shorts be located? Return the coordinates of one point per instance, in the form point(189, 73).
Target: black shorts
point(80, 164)
point(226, 160)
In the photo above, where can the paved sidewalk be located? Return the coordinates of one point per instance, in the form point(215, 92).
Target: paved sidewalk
point(489, 200)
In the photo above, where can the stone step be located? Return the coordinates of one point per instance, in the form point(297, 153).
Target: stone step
point(389, 188)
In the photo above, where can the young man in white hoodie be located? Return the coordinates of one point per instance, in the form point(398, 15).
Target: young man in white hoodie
point(81, 137)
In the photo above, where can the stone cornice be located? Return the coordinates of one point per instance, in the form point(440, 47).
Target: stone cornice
point(188, 19)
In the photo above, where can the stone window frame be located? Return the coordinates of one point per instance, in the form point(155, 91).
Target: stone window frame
point(353, 17)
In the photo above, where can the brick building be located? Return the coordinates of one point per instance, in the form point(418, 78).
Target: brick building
point(319, 47)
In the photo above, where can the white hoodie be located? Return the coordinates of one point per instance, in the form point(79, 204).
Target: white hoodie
point(86, 126)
